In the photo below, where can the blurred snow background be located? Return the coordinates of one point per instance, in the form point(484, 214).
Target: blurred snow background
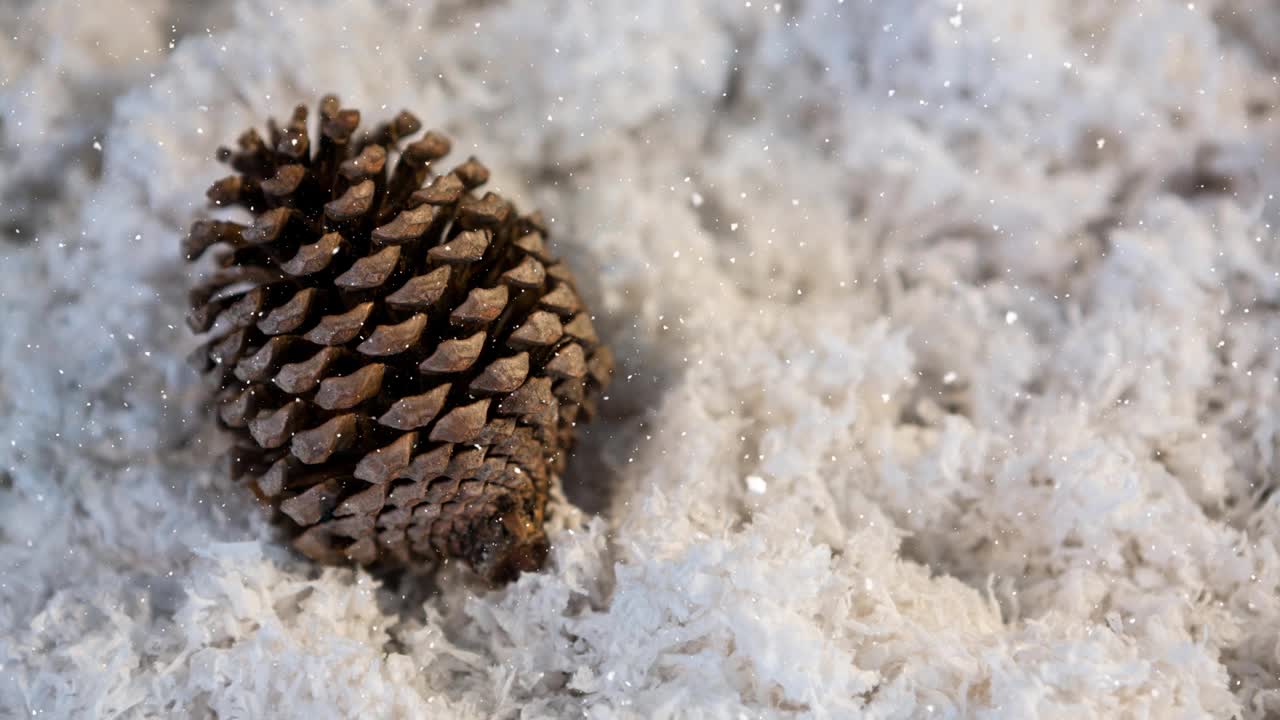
point(949, 340)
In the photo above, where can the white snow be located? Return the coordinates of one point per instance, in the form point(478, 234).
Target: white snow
point(1012, 381)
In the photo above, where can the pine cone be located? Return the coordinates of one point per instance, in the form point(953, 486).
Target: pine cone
point(401, 360)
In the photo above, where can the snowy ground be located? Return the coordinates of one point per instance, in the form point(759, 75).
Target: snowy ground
point(948, 343)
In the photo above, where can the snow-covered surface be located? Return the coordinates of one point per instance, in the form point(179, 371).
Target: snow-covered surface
point(943, 391)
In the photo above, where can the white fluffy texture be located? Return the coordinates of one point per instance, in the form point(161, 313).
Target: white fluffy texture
point(929, 275)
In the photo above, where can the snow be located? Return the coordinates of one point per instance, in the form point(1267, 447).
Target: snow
point(940, 279)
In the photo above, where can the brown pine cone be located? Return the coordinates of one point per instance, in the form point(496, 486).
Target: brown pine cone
point(401, 360)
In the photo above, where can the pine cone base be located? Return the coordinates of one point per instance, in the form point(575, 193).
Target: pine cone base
point(401, 360)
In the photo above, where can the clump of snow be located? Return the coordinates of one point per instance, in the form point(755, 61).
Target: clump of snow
point(947, 340)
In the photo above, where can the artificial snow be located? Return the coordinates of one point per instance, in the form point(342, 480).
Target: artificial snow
point(948, 355)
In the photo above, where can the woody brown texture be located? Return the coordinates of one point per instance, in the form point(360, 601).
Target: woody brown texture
point(402, 362)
